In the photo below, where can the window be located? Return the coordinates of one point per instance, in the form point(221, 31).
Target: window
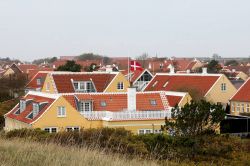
point(120, 86)
point(103, 103)
point(158, 131)
point(47, 86)
point(85, 106)
point(232, 107)
point(223, 87)
point(242, 107)
point(238, 107)
point(145, 131)
point(50, 129)
point(165, 84)
point(22, 105)
point(61, 111)
point(83, 86)
point(155, 84)
point(248, 108)
point(153, 102)
point(72, 129)
point(38, 81)
point(35, 110)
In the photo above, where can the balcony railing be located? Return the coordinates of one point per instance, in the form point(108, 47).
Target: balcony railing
point(126, 115)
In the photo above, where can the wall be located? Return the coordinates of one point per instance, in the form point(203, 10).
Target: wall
point(216, 95)
point(73, 118)
point(187, 99)
point(113, 85)
point(49, 80)
point(11, 124)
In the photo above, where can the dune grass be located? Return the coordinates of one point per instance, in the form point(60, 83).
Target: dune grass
point(21, 152)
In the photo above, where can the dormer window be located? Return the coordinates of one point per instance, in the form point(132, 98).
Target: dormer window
point(35, 110)
point(85, 106)
point(38, 81)
point(22, 105)
point(153, 102)
point(103, 103)
point(83, 86)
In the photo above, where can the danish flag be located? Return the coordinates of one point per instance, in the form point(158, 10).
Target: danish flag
point(135, 66)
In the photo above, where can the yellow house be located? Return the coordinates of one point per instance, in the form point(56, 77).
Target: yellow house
point(83, 82)
point(139, 112)
point(240, 102)
point(215, 88)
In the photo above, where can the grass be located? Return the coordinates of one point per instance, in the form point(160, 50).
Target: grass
point(21, 152)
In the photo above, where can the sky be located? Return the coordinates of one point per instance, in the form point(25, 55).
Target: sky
point(33, 29)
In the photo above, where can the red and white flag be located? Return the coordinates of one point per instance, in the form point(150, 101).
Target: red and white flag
point(135, 66)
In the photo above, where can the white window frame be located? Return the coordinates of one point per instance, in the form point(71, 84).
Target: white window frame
point(61, 111)
point(50, 129)
point(83, 86)
point(73, 128)
point(103, 103)
point(223, 87)
point(232, 107)
point(22, 105)
point(242, 107)
point(247, 107)
point(35, 109)
point(238, 107)
point(120, 86)
point(82, 106)
point(145, 131)
point(39, 81)
point(153, 102)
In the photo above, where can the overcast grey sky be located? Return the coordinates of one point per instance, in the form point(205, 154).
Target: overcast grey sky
point(31, 29)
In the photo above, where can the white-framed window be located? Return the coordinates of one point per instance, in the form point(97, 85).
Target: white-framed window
point(248, 107)
point(157, 131)
point(85, 106)
point(83, 86)
point(38, 81)
point(35, 110)
point(103, 103)
point(238, 107)
point(61, 111)
point(153, 102)
point(51, 129)
point(47, 86)
point(75, 128)
point(22, 105)
point(232, 107)
point(120, 86)
point(145, 131)
point(223, 87)
point(242, 107)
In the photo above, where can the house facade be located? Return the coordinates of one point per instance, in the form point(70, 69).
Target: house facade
point(139, 112)
point(240, 101)
point(214, 88)
point(84, 82)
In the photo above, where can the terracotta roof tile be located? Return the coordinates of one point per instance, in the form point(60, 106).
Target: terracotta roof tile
point(243, 94)
point(33, 83)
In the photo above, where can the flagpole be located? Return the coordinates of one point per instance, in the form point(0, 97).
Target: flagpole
point(129, 72)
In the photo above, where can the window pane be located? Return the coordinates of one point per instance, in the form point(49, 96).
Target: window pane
point(47, 130)
point(53, 130)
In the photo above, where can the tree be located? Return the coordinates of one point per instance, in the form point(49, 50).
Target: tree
point(213, 67)
point(143, 59)
point(232, 63)
point(92, 67)
point(89, 56)
point(194, 118)
point(70, 66)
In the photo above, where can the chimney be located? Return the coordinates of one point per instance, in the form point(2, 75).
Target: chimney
point(188, 71)
point(204, 70)
point(131, 96)
point(233, 70)
point(171, 70)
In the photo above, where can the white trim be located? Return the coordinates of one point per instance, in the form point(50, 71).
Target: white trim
point(190, 74)
point(42, 94)
point(147, 124)
point(142, 74)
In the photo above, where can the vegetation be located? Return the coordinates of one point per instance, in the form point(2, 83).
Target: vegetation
point(46, 60)
point(92, 67)
point(143, 59)
point(232, 63)
point(195, 118)
point(20, 152)
point(213, 67)
point(91, 56)
point(70, 66)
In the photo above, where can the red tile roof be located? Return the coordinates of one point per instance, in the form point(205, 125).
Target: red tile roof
point(23, 116)
point(26, 67)
point(33, 82)
point(177, 82)
point(173, 100)
point(243, 94)
point(64, 84)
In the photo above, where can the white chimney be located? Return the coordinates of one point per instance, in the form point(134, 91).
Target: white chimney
point(188, 71)
point(131, 99)
point(204, 70)
point(171, 70)
point(233, 70)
